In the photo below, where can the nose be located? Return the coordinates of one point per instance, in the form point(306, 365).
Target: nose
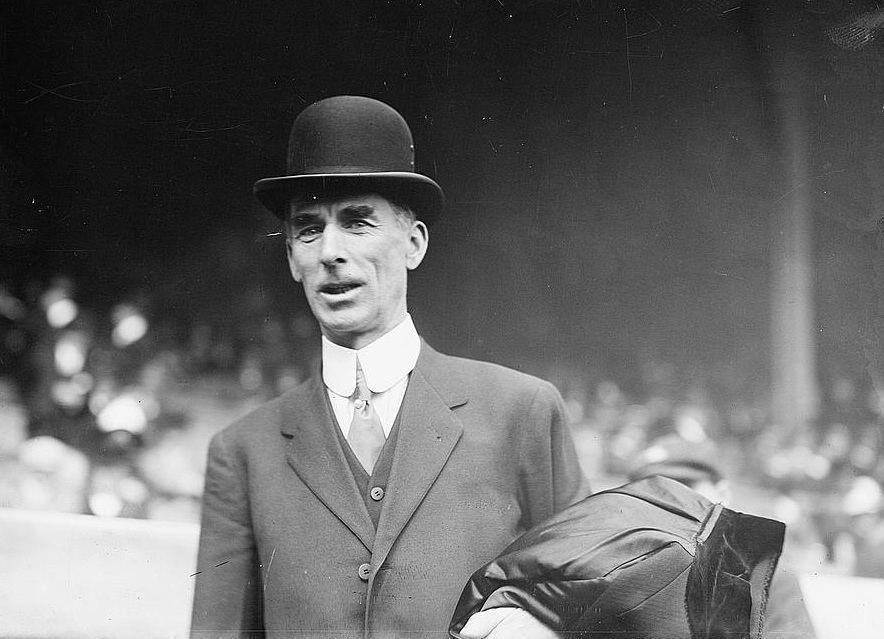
point(332, 248)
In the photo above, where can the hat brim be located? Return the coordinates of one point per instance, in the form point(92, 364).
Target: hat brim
point(685, 472)
point(414, 190)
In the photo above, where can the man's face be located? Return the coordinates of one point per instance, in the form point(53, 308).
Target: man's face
point(352, 255)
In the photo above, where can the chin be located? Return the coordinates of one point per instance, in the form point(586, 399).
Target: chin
point(342, 326)
point(344, 318)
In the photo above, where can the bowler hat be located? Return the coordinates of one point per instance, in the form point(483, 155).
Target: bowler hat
point(682, 460)
point(351, 144)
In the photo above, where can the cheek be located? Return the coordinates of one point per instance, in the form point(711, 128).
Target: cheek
point(393, 286)
point(292, 262)
point(299, 267)
point(390, 271)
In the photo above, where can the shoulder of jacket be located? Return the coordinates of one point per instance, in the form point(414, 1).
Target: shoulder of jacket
point(478, 373)
point(264, 417)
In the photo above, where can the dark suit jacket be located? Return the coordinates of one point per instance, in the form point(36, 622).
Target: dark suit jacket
point(483, 454)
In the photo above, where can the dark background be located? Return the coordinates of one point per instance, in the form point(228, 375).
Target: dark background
point(611, 167)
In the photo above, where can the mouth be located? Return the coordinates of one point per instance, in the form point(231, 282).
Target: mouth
point(338, 288)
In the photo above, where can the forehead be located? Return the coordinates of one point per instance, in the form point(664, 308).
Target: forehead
point(335, 204)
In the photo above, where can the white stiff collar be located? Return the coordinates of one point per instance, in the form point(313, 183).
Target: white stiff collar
point(385, 361)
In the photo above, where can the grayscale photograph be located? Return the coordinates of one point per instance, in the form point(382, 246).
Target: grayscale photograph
point(466, 319)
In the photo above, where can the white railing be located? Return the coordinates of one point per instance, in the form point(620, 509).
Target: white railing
point(82, 577)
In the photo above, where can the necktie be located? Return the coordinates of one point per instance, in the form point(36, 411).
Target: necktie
point(366, 436)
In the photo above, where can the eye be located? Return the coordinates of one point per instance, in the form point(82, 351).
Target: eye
point(358, 224)
point(308, 233)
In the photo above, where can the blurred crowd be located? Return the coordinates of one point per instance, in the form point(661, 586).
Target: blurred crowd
point(110, 413)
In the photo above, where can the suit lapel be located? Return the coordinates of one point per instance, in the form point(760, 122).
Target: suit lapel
point(428, 432)
point(314, 453)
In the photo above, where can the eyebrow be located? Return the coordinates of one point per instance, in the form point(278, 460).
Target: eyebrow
point(302, 219)
point(358, 210)
point(354, 211)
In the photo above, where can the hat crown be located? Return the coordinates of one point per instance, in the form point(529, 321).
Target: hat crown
point(349, 134)
point(351, 143)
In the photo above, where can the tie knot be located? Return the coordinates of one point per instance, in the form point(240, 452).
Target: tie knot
point(362, 393)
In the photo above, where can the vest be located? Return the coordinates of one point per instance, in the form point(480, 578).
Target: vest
point(372, 488)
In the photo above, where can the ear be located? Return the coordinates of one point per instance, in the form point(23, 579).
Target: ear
point(418, 238)
point(293, 267)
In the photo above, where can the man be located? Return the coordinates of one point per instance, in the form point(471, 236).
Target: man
point(698, 465)
point(359, 503)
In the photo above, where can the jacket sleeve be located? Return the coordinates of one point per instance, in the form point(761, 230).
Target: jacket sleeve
point(551, 477)
point(227, 597)
point(787, 614)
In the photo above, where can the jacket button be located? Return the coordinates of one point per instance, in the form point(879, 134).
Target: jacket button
point(377, 493)
point(364, 571)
